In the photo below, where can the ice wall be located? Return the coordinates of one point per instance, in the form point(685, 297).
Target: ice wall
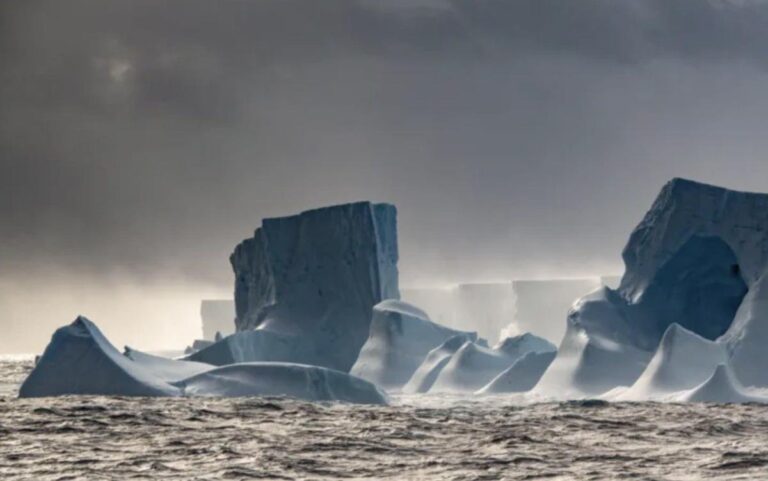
point(317, 275)
point(217, 316)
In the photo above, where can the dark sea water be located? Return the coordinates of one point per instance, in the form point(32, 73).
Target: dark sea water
point(415, 438)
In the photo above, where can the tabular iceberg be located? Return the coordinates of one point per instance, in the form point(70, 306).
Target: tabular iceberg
point(315, 277)
point(696, 259)
point(401, 336)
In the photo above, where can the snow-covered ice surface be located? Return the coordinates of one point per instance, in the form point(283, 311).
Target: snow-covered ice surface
point(418, 437)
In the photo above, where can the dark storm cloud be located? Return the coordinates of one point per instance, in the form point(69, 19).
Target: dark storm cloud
point(150, 136)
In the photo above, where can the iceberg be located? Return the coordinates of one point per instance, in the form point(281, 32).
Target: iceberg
point(299, 381)
point(315, 277)
point(682, 361)
point(401, 336)
point(80, 360)
point(424, 377)
point(521, 376)
point(472, 366)
point(696, 259)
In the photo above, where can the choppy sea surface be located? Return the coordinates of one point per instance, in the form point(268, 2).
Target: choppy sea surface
point(415, 438)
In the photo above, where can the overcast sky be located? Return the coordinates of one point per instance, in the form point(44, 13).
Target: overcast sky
point(141, 140)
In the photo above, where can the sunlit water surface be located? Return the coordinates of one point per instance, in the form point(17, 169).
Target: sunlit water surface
point(415, 438)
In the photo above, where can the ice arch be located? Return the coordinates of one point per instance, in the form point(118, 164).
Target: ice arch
point(700, 287)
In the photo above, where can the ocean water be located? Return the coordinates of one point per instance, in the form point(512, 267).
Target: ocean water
point(416, 438)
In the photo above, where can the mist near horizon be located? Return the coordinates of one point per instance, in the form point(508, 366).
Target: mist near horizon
point(141, 141)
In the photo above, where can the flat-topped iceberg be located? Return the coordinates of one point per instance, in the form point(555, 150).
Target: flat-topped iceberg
point(316, 276)
point(401, 336)
point(80, 361)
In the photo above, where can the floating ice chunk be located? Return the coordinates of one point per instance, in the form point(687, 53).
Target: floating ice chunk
point(682, 361)
point(311, 383)
point(521, 376)
point(80, 360)
point(169, 370)
point(401, 337)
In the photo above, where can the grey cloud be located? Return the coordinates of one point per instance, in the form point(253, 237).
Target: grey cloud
point(153, 135)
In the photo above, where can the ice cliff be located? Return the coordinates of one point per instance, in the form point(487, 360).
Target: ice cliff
point(697, 259)
point(312, 279)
